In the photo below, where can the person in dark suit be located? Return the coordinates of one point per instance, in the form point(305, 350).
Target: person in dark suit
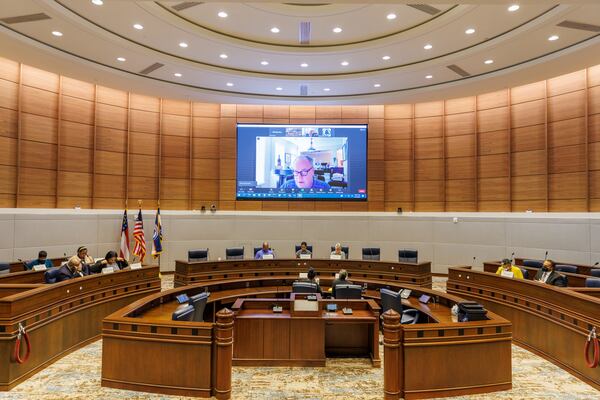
point(110, 260)
point(311, 276)
point(70, 270)
point(548, 275)
point(340, 280)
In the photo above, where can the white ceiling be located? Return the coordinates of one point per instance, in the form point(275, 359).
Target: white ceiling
point(94, 36)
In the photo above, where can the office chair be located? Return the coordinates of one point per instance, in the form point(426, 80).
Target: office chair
point(198, 255)
point(4, 268)
point(595, 272)
point(533, 263)
point(345, 249)
point(297, 247)
point(592, 282)
point(347, 291)
point(304, 287)
point(183, 313)
point(408, 256)
point(234, 253)
point(566, 268)
point(371, 253)
point(525, 273)
point(199, 301)
point(51, 275)
point(392, 300)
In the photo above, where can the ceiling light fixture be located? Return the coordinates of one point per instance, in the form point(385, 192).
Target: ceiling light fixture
point(97, 2)
point(553, 38)
point(385, 58)
point(489, 61)
point(122, 59)
point(264, 62)
point(428, 47)
point(177, 74)
point(337, 29)
point(514, 7)
point(57, 33)
point(304, 65)
point(139, 27)
point(428, 76)
point(377, 85)
point(223, 56)
point(222, 14)
point(326, 89)
point(391, 16)
point(278, 88)
point(470, 31)
point(275, 29)
point(183, 44)
point(344, 63)
point(229, 84)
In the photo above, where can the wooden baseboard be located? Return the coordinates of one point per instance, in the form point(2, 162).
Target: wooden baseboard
point(160, 389)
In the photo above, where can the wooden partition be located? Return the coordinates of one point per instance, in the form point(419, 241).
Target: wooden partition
point(66, 143)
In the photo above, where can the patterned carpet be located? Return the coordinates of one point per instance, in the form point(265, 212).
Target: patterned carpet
point(341, 379)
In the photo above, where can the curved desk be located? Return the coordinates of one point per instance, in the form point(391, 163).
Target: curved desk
point(61, 317)
point(574, 280)
point(415, 274)
point(550, 321)
point(143, 349)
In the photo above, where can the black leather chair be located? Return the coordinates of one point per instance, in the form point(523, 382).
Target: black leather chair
point(297, 247)
point(566, 268)
point(345, 249)
point(392, 300)
point(304, 287)
point(525, 273)
point(533, 263)
point(592, 282)
point(408, 256)
point(595, 272)
point(348, 291)
point(371, 253)
point(234, 253)
point(51, 275)
point(4, 268)
point(198, 255)
point(199, 301)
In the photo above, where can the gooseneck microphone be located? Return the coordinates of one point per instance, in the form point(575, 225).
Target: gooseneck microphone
point(546, 255)
point(512, 257)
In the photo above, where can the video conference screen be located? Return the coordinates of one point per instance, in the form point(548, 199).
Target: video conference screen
point(295, 162)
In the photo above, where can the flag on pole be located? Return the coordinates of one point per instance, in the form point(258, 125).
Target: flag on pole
point(157, 236)
point(139, 247)
point(124, 250)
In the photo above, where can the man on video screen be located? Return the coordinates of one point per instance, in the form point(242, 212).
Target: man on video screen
point(304, 175)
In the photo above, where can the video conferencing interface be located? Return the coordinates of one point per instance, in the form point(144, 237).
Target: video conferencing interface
point(301, 162)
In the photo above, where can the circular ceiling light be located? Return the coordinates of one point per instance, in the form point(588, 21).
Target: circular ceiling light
point(377, 85)
point(344, 63)
point(337, 29)
point(183, 44)
point(223, 56)
point(326, 89)
point(139, 27)
point(489, 61)
point(470, 31)
point(279, 88)
point(121, 59)
point(428, 76)
point(391, 16)
point(514, 7)
point(553, 38)
point(57, 33)
point(177, 74)
point(275, 29)
point(222, 14)
point(264, 62)
point(428, 47)
point(304, 65)
point(385, 58)
point(229, 84)
point(97, 2)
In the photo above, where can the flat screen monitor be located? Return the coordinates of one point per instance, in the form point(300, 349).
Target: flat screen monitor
point(298, 162)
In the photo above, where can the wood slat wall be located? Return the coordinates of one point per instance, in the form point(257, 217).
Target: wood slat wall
point(67, 143)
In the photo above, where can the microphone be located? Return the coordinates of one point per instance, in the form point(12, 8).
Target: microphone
point(512, 257)
point(474, 261)
point(597, 262)
point(546, 255)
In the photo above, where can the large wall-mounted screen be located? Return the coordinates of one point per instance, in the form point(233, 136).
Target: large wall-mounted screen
point(295, 162)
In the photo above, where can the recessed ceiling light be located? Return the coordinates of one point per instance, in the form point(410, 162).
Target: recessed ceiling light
point(428, 47)
point(385, 58)
point(183, 44)
point(177, 74)
point(278, 88)
point(337, 29)
point(514, 7)
point(223, 56)
point(275, 29)
point(470, 31)
point(264, 62)
point(222, 14)
point(97, 2)
point(304, 65)
point(122, 59)
point(489, 61)
point(57, 33)
point(391, 16)
point(428, 76)
point(326, 89)
point(139, 27)
point(553, 38)
point(377, 85)
point(229, 84)
point(344, 63)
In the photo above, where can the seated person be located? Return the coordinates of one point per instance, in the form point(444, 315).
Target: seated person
point(507, 266)
point(311, 276)
point(304, 175)
point(338, 251)
point(264, 251)
point(84, 257)
point(548, 275)
point(41, 260)
point(303, 250)
point(71, 269)
point(340, 280)
point(110, 260)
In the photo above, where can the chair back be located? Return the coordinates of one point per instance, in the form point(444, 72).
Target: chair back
point(592, 282)
point(199, 301)
point(345, 291)
point(525, 273)
point(297, 247)
point(408, 256)
point(390, 300)
point(198, 255)
point(533, 263)
point(4, 268)
point(304, 287)
point(345, 249)
point(595, 272)
point(234, 253)
point(371, 253)
point(51, 275)
point(566, 268)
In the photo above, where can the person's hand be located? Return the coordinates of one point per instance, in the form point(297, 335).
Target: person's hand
point(104, 262)
point(120, 259)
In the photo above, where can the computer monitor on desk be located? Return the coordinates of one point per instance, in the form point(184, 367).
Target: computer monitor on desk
point(183, 313)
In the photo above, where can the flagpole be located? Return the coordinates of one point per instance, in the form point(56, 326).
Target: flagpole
point(140, 209)
point(158, 208)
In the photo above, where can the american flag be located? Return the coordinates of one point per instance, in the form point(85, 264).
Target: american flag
point(124, 250)
point(139, 247)
point(157, 236)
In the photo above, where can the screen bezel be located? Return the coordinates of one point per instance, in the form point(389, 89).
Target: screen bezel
point(237, 134)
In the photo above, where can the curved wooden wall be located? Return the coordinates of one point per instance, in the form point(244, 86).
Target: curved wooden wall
point(67, 143)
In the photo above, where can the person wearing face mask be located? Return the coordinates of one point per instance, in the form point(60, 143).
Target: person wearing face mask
point(110, 260)
point(508, 267)
point(548, 275)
